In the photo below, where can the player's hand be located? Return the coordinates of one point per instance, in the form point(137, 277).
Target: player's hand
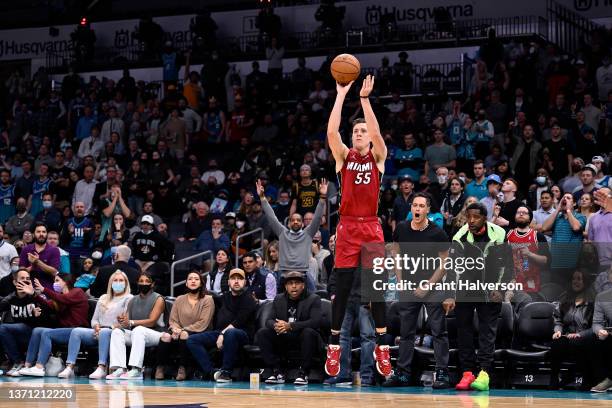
point(556, 335)
point(261, 191)
point(448, 305)
point(367, 86)
point(343, 89)
point(323, 186)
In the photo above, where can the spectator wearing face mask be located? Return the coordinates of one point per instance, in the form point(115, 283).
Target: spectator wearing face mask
point(49, 215)
point(20, 222)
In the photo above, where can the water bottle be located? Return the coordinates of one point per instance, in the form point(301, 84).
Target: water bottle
point(525, 264)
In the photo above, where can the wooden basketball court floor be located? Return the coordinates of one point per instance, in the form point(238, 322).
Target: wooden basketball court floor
point(192, 394)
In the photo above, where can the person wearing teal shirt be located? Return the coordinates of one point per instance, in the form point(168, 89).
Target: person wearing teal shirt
point(409, 159)
point(478, 186)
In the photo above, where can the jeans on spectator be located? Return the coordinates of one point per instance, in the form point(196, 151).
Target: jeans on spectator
point(135, 204)
point(140, 338)
point(41, 343)
point(409, 315)
point(367, 334)
point(83, 335)
point(233, 339)
point(488, 316)
point(13, 337)
point(273, 346)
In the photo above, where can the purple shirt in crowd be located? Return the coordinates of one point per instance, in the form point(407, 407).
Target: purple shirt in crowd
point(600, 232)
point(50, 256)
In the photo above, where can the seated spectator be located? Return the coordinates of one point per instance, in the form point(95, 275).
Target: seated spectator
point(261, 284)
point(20, 222)
point(191, 313)
point(77, 234)
point(7, 285)
point(217, 278)
point(27, 312)
point(212, 239)
point(140, 326)
point(602, 322)
point(294, 323)
point(241, 227)
point(233, 329)
point(71, 308)
point(572, 334)
point(87, 278)
point(53, 240)
point(109, 307)
point(198, 222)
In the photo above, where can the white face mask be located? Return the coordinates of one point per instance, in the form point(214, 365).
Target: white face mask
point(541, 180)
point(442, 179)
point(239, 224)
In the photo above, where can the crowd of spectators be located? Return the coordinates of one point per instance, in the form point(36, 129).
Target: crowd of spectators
point(123, 173)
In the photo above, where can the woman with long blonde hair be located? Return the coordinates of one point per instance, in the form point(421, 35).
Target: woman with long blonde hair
point(110, 305)
point(461, 219)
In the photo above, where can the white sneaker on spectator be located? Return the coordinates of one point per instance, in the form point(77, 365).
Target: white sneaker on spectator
point(66, 373)
point(99, 374)
point(133, 374)
point(115, 375)
point(14, 372)
point(32, 372)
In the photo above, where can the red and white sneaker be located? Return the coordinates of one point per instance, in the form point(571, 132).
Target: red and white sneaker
point(332, 364)
point(383, 360)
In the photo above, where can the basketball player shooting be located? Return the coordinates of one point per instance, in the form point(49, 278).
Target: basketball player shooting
point(360, 170)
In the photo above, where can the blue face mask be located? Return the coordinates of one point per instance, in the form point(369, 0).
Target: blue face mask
point(47, 204)
point(118, 287)
point(57, 287)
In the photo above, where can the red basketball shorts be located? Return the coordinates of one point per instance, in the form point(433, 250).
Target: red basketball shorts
point(358, 240)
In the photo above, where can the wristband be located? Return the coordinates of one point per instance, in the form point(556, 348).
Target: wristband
point(364, 97)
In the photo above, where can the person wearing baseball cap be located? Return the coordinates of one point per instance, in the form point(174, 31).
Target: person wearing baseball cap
point(601, 178)
point(587, 178)
point(234, 328)
point(294, 322)
point(493, 186)
point(148, 245)
point(403, 201)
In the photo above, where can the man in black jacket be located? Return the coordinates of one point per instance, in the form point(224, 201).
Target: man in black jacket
point(233, 329)
point(294, 323)
point(122, 257)
point(149, 245)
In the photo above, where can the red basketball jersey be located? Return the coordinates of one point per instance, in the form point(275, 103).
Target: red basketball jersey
point(359, 181)
point(527, 273)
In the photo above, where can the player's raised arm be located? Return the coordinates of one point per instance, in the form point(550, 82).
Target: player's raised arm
point(339, 149)
point(379, 148)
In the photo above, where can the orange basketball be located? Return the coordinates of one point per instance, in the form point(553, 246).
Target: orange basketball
point(345, 68)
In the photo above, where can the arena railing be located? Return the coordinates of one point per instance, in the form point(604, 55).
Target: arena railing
point(208, 254)
point(246, 234)
point(252, 46)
